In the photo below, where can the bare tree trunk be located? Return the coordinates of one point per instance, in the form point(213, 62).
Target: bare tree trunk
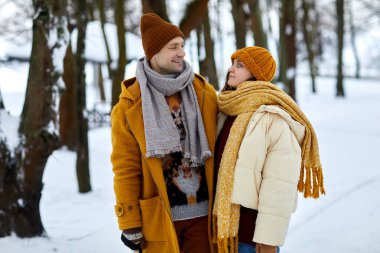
point(200, 46)
point(282, 52)
point(68, 129)
point(210, 58)
point(317, 35)
point(99, 80)
point(120, 71)
point(239, 22)
point(83, 170)
point(353, 43)
point(259, 34)
point(340, 33)
point(90, 10)
point(308, 38)
point(194, 16)
point(220, 37)
point(2, 107)
point(22, 172)
point(10, 186)
point(266, 9)
point(102, 16)
point(116, 75)
point(288, 47)
point(156, 6)
point(5, 219)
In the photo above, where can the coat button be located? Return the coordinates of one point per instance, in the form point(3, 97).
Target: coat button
point(119, 210)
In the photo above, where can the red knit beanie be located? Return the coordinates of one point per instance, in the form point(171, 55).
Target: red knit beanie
point(258, 61)
point(156, 33)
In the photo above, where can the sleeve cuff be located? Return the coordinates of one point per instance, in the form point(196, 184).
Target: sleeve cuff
point(271, 230)
point(128, 215)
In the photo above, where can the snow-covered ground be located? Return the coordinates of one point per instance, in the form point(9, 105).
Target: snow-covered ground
point(346, 220)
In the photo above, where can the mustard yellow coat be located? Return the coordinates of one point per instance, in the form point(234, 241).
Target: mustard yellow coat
point(139, 184)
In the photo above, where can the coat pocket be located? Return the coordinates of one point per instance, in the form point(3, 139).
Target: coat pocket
point(152, 214)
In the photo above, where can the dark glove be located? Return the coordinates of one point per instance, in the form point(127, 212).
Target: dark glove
point(133, 239)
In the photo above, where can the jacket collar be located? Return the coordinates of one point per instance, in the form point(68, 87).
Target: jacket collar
point(296, 127)
point(130, 89)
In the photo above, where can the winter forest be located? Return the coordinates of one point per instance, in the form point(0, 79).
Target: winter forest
point(61, 65)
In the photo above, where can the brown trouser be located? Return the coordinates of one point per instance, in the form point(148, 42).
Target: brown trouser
point(192, 235)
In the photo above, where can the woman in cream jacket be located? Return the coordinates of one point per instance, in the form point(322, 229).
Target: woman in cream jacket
point(266, 150)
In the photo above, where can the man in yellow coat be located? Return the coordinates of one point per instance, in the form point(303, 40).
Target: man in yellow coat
point(163, 136)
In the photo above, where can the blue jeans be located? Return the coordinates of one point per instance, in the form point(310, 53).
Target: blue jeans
point(246, 248)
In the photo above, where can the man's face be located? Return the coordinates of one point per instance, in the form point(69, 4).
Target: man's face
point(170, 58)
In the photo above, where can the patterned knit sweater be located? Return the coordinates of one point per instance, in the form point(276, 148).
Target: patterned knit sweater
point(186, 186)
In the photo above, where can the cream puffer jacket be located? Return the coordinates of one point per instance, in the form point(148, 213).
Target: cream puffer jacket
point(267, 171)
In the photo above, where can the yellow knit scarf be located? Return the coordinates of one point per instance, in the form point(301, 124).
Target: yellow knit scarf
point(243, 102)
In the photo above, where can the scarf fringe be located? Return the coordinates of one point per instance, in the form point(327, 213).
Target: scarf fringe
point(195, 161)
point(162, 152)
point(311, 189)
point(228, 245)
point(225, 244)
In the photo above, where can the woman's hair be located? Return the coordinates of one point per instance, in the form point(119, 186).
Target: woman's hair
point(227, 87)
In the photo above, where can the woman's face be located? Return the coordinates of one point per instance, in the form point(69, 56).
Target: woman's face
point(237, 74)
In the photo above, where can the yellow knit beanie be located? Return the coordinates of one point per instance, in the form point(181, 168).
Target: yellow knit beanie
point(156, 33)
point(258, 61)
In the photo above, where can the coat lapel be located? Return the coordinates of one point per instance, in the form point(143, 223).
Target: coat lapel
point(200, 92)
point(208, 117)
point(136, 123)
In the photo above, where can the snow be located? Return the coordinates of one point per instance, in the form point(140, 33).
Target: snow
point(345, 220)
point(13, 80)
point(58, 42)
point(8, 130)
point(290, 73)
point(95, 49)
point(95, 46)
point(288, 29)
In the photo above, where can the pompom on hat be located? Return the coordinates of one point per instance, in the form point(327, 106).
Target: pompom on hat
point(156, 33)
point(258, 61)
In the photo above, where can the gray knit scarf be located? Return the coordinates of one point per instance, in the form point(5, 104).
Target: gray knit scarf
point(161, 133)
